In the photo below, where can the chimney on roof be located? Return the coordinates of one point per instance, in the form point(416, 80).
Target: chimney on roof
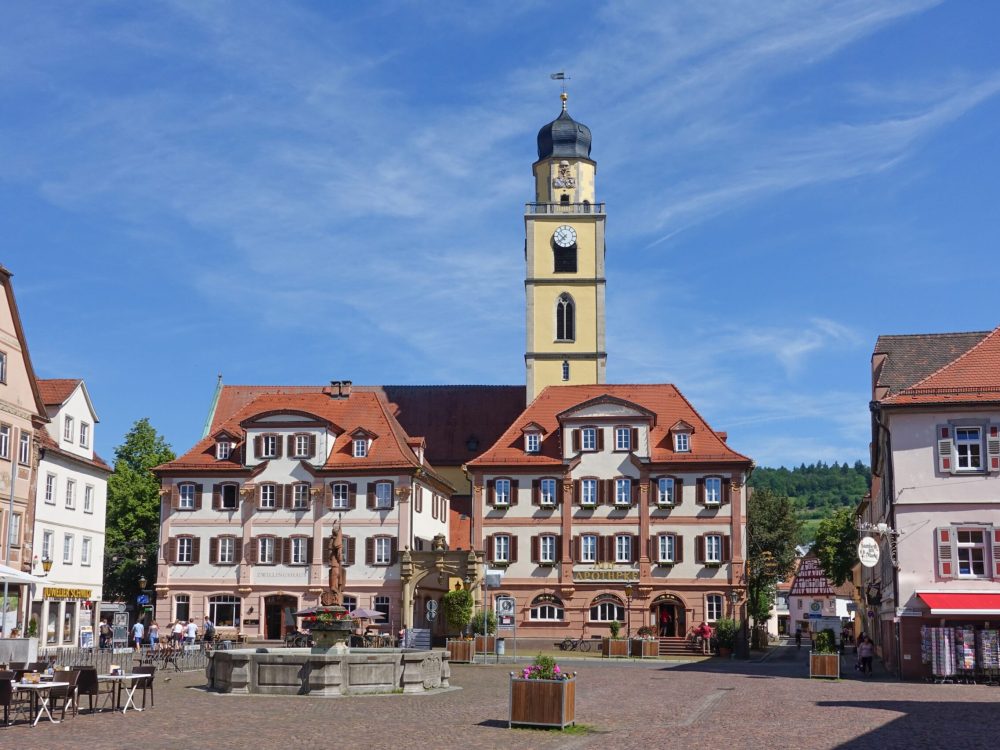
point(336, 386)
point(345, 388)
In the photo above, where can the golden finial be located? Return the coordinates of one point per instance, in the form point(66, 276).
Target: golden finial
point(564, 96)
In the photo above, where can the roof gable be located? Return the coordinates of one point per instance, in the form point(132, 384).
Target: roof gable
point(27, 375)
point(606, 406)
point(910, 358)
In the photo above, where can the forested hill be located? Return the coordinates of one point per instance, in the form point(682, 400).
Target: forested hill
point(816, 490)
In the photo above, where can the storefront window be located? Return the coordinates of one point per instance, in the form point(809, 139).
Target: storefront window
point(69, 621)
point(52, 625)
point(224, 610)
point(182, 607)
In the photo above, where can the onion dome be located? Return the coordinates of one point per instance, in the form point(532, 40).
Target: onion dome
point(564, 136)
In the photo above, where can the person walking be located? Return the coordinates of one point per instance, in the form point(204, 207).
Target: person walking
point(177, 633)
point(866, 650)
point(154, 635)
point(798, 637)
point(137, 633)
point(191, 632)
point(104, 634)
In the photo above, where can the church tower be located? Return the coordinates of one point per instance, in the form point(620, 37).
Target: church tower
point(564, 256)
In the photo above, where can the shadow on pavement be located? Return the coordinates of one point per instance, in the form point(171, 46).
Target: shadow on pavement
point(926, 724)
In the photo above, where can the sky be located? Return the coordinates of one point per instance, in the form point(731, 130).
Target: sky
point(304, 191)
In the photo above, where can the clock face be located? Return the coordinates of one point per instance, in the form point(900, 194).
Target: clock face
point(564, 236)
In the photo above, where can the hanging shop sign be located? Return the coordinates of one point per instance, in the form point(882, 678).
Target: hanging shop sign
point(868, 552)
point(50, 592)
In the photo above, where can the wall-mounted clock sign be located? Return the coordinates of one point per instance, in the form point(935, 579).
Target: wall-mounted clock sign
point(564, 236)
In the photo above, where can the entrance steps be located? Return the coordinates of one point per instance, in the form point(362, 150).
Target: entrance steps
point(675, 647)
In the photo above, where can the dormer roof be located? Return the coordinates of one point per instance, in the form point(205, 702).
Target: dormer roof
point(533, 427)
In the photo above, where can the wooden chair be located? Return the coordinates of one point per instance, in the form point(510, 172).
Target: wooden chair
point(66, 693)
point(89, 685)
point(146, 682)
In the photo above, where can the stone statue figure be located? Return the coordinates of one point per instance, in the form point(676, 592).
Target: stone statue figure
point(334, 595)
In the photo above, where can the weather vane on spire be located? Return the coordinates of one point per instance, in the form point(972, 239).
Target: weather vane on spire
point(561, 76)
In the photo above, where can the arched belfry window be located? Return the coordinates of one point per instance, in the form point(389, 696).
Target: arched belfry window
point(565, 318)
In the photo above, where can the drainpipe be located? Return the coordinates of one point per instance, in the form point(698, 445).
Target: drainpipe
point(876, 409)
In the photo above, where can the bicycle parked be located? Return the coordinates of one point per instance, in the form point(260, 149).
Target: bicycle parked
point(575, 644)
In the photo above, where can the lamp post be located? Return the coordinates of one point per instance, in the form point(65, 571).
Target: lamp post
point(734, 598)
point(628, 611)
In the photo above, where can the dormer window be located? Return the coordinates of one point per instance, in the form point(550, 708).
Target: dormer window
point(588, 439)
point(682, 442)
point(223, 449)
point(360, 447)
point(68, 429)
point(532, 442)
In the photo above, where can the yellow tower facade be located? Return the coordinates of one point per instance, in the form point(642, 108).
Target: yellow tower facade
point(564, 257)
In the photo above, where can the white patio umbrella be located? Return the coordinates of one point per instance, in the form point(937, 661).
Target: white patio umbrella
point(17, 577)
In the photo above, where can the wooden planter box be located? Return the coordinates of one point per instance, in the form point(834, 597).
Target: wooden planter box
point(542, 703)
point(824, 665)
point(615, 647)
point(642, 649)
point(461, 651)
point(486, 644)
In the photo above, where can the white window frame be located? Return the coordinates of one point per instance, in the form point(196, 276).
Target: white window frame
point(185, 550)
point(341, 496)
point(547, 548)
point(185, 601)
point(547, 489)
point(269, 496)
point(226, 550)
point(588, 438)
point(24, 449)
point(968, 448)
point(547, 612)
point(588, 555)
point(606, 611)
point(968, 548)
point(265, 550)
point(47, 538)
point(590, 502)
point(5, 441)
point(715, 607)
point(187, 496)
point(300, 551)
point(383, 495)
point(71, 494)
point(623, 491)
point(88, 498)
point(382, 552)
point(84, 434)
point(69, 428)
point(666, 492)
point(85, 545)
point(713, 549)
point(501, 548)
point(14, 532)
point(682, 442)
point(3, 367)
point(666, 548)
point(713, 490)
point(269, 446)
point(360, 447)
point(300, 496)
point(68, 542)
point(50, 489)
point(623, 548)
point(623, 438)
point(301, 446)
point(223, 449)
point(502, 498)
point(532, 442)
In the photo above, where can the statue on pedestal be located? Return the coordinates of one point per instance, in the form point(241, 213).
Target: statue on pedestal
point(334, 595)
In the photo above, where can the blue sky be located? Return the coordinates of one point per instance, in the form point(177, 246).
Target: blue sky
point(299, 192)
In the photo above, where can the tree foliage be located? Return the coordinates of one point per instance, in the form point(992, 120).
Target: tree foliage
point(457, 606)
point(133, 519)
point(772, 531)
point(836, 545)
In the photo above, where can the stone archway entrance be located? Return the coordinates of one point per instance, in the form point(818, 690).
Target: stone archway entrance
point(426, 576)
point(670, 616)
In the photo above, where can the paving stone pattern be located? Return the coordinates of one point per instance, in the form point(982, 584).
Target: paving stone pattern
point(715, 704)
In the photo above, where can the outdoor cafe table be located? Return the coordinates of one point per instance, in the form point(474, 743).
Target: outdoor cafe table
point(132, 682)
point(40, 695)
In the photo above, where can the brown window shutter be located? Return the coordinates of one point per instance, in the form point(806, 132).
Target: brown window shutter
point(257, 446)
point(534, 549)
point(213, 550)
point(312, 446)
point(678, 490)
point(253, 550)
point(634, 548)
point(491, 551)
point(350, 544)
point(576, 440)
point(371, 495)
point(635, 492)
point(727, 552)
point(574, 550)
point(326, 494)
point(945, 557)
point(198, 489)
point(172, 550)
point(600, 491)
point(609, 491)
point(604, 544)
point(393, 551)
point(559, 547)
point(277, 446)
point(678, 548)
point(216, 496)
point(513, 548)
point(515, 486)
point(370, 550)
point(491, 494)
point(287, 492)
point(727, 491)
point(654, 491)
point(310, 548)
point(291, 445)
point(536, 491)
point(175, 497)
point(653, 548)
point(237, 550)
point(635, 439)
point(700, 493)
point(946, 461)
point(577, 492)
point(600, 438)
point(283, 550)
point(326, 550)
point(392, 495)
point(195, 550)
point(699, 549)
point(352, 495)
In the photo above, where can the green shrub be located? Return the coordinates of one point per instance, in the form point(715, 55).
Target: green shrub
point(825, 642)
point(725, 632)
point(491, 622)
point(614, 626)
point(457, 606)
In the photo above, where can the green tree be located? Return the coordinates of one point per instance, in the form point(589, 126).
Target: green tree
point(457, 606)
point(772, 531)
point(133, 518)
point(836, 543)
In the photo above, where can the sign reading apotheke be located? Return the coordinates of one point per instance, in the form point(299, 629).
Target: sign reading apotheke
point(868, 552)
point(50, 592)
point(604, 572)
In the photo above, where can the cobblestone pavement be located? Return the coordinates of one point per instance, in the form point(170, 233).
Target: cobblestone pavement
point(715, 704)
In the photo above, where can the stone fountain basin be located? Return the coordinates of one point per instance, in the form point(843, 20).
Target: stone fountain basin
point(299, 671)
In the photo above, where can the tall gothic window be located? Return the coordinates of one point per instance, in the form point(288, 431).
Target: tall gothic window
point(565, 319)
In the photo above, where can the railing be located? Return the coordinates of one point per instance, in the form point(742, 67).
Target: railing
point(564, 208)
point(188, 658)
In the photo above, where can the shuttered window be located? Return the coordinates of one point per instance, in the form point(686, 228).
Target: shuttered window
point(265, 550)
point(268, 496)
point(185, 550)
point(299, 550)
point(588, 439)
point(588, 548)
point(383, 495)
point(713, 490)
point(341, 496)
point(588, 492)
point(268, 446)
point(547, 548)
point(623, 438)
point(501, 548)
point(300, 496)
point(186, 498)
point(623, 548)
point(713, 548)
point(665, 491)
point(665, 548)
point(383, 550)
point(227, 550)
point(972, 553)
point(623, 491)
point(501, 490)
point(969, 448)
point(547, 492)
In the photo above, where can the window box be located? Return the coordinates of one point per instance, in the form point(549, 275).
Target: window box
point(712, 564)
point(824, 665)
point(614, 648)
point(665, 506)
point(665, 563)
point(644, 648)
point(546, 563)
point(542, 703)
point(459, 651)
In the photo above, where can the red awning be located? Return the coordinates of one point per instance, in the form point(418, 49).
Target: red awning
point(962, 604)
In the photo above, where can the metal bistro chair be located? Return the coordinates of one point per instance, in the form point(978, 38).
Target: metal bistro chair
point(146, 682)
point(90, 685)
point(9, 700)
point(66, 693)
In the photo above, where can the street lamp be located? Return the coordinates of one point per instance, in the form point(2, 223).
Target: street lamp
point(46, 564)
point(628, 611)
point(142, 583)
point(734, 599)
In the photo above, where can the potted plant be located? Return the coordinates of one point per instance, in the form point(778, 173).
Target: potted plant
point(614, 646)
point(542, 695)
point(725, 635)
point(484, 625)
point(457, 608)
point(824, 661)
point(645, 644)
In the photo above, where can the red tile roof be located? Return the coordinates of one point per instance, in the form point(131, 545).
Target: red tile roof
point(55, 391)
point(972, 377)
point(449, 417)
point(663, 400)
point(909, 358)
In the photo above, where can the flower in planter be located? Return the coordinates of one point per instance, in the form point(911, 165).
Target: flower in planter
point(543, 668)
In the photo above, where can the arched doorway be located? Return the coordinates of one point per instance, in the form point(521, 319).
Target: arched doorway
point(670, 616)
point(278, 617)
